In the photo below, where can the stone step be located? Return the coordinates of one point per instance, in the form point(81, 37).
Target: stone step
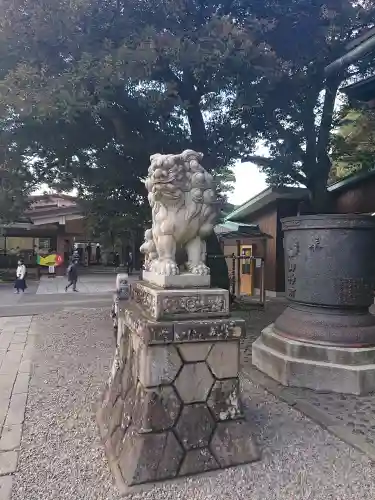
point(315, 352)
point(312, 374)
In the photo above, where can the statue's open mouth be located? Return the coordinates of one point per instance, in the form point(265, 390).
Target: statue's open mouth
point(164, 180)
point(167, 194)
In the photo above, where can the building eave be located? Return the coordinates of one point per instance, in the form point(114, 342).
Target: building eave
point(265, 198)
point(237, 235)
point(361, 46)
point(35, 214)
point(229, 226)
point(350, 181)
point(18, 225)
point(47, 196)
point(364, 90)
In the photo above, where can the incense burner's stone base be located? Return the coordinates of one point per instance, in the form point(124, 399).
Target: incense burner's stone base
point(348, 370)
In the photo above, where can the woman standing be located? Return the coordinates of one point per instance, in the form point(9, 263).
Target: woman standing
point(20, 283)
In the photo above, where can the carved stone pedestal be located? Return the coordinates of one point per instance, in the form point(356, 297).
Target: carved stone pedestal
point(172, 405)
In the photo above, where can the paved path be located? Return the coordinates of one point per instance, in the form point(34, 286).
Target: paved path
point(87, 284)
point(16, 345)
point(49, 295)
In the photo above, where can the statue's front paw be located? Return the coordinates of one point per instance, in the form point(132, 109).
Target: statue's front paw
point(167, 267)
point(200, 269)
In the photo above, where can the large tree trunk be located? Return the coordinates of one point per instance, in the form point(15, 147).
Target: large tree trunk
point(319, 172)
point(197, 128)
point(320, 198)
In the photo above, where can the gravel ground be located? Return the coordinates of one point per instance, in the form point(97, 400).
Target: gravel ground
point(256, 319)
point(61, 457)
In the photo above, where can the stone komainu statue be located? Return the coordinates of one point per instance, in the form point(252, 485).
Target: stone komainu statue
point(184, 211)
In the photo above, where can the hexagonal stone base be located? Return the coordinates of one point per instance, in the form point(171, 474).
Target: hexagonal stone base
point(313, 366)
point(172, 407)
point(149, 457)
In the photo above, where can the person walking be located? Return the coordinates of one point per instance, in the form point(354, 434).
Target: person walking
point(98, 253)
point(20, 283)
point(72, 272)
point(116, 260)
point(89, 252)
point(130, 262)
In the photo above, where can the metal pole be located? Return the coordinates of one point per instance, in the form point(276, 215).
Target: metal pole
point(262, 286)
point(238, 269)
point(233, 274)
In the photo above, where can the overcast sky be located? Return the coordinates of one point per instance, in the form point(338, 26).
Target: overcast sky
point(249, 182)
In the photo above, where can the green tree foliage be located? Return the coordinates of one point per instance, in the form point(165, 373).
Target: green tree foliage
point(93, 88)
point(295, 112)
point(114, 219)
point(15, 186)
point(353, 143)
point(16, 182)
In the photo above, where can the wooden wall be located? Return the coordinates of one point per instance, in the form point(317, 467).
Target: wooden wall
point(267, 221)
point(359, 198)
point(76, 227)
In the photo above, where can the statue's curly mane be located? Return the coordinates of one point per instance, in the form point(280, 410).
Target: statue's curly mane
point(191, 184)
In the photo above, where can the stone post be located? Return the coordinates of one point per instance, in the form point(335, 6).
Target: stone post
point(122, 293)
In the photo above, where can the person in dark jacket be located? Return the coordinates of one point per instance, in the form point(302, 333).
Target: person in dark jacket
point(98, 253)
point(89, 252)
point(130, 262)
point(72, 272)
point(116, 259)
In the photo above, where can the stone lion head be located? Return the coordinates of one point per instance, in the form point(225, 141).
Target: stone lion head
point(174, 179)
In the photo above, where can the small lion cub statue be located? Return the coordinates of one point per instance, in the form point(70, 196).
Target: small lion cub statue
point(184, 210)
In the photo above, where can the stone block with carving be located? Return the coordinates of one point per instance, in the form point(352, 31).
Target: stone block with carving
point(186, 303)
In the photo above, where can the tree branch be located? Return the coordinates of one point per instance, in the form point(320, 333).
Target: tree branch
point(290, 139)
point(326, 121)
point(308, 122)
point(164, 72)
point(300, 178)
point(261, 161)
point(191, 98)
